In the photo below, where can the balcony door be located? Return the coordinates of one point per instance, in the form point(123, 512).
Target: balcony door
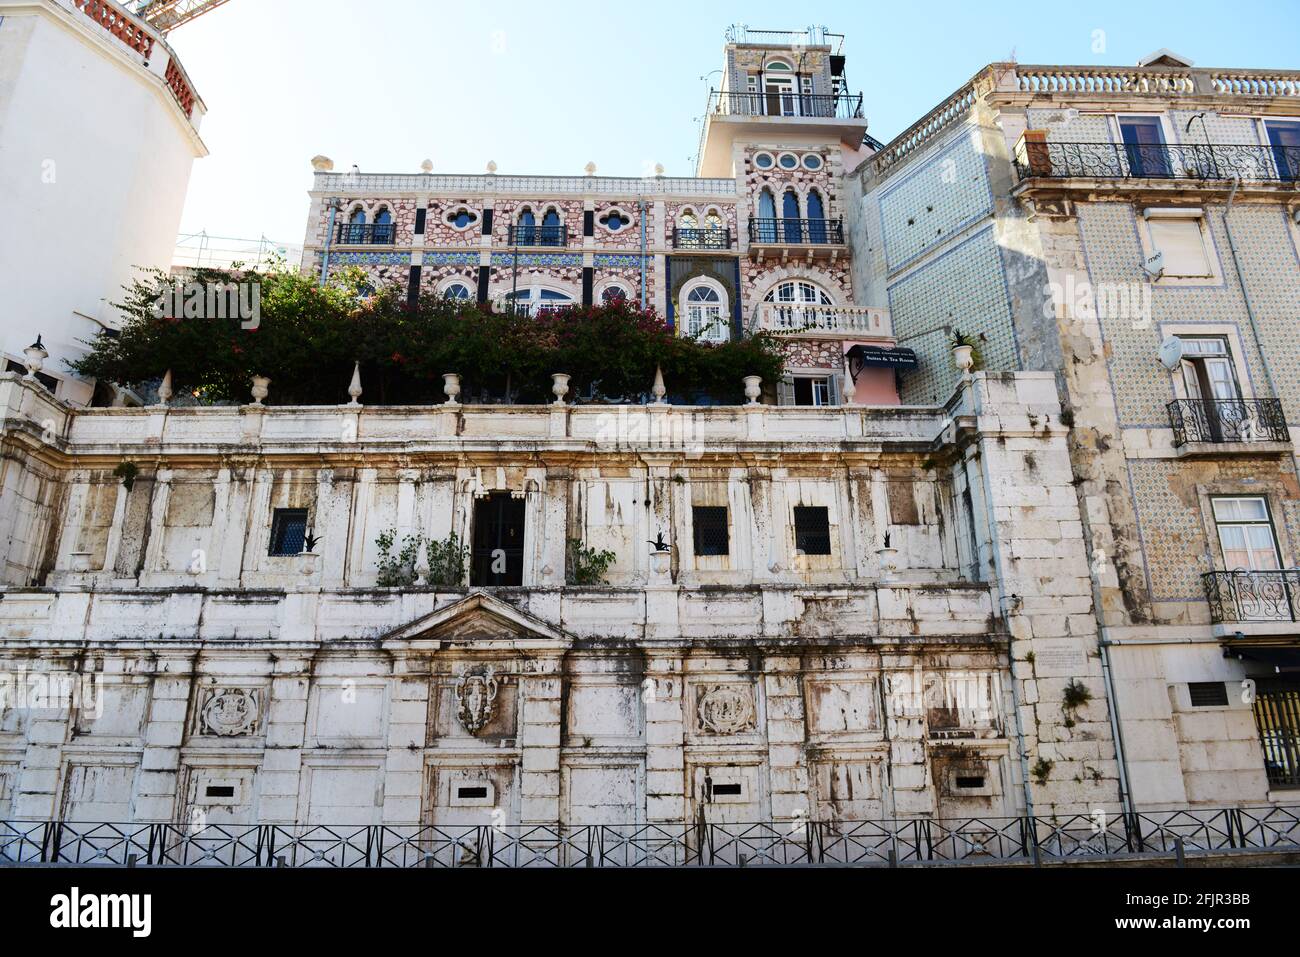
point(1210, 380)
point(1144, 145)
point(1284, 137)
point(497, 557)
point(779, 91)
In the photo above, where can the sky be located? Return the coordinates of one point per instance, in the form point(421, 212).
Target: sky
point(545, 88)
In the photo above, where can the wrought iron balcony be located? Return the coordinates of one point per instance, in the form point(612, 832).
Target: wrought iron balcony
point(796, 232)
point(831, 106)
point(1244, 596)
point(539, 236)
point(1159, 161)
point(1227, 420)
point(686, 238)
point(361, 234)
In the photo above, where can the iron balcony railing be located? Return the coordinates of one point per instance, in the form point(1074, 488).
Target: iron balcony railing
point(366, 234)
point(1159, 161)
point(687, 238)
point(1227, 420)
point(796, 232)
point(913, 841)
point(539, 235)
point(1244, 596)
point(830, 106)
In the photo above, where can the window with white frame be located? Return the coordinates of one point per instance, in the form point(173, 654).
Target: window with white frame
point(799, 304)
point(705, 304)
point(1245, 533)
point(1179, 235)
point(456, 290)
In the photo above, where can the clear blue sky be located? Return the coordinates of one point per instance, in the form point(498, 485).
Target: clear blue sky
point(544, 88)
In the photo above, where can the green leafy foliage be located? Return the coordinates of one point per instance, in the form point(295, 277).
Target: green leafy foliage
point(397, 570)
point(310, 335)
point(586, 566)
point(447, 560)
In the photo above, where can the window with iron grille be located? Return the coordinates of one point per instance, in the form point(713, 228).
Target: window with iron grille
point(288, 531)
point(1208, 694)
point(812, 530)
point(1277, 714)
point(710, 523)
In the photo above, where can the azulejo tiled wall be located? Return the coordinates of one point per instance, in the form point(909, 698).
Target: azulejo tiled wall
point(925, 207)
point(1143, 387)
point(961, 289)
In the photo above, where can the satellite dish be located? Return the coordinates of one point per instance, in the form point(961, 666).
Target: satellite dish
point(1155, 265)
point(1171, 353)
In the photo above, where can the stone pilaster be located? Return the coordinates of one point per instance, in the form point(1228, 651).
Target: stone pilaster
point(665, 735)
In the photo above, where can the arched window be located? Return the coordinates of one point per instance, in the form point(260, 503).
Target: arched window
point(552, 231)
point(354, 231)
point(713, 220)
point(766, 226)
point(455, 290)
point(705, 305)
point(383, 229)
point(536, 300)
point(790, 216)
point(462, 218)
point(614, 292)
point(816, 218)
point(800, 304)
point(688, 219)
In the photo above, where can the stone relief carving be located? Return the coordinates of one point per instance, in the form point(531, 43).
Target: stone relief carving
point(230, 712)
point(476, 694)
point(726, 709)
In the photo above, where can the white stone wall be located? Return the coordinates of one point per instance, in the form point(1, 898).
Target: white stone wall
point(760, 685)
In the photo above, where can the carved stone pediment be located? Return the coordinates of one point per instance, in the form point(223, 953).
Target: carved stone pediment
point(480, 620)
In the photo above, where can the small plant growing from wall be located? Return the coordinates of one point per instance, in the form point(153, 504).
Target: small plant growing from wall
point(397, 570)
point(1042, 770)
point(586, 566)
point(1075, 696)
point(127, 472)
point(447, 560)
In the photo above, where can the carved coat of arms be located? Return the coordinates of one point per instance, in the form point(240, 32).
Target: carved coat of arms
point(476, 694)
point(726, 709)
point(230, 712)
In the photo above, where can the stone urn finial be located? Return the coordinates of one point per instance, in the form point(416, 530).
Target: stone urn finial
point(451, 386)
point(261, 388)
point(427, 166)
point(165, 390)
point(753, 389)
point(491, 167)
point(659, 390)
point(354, 388)
point(591, 169)
point(559, 386)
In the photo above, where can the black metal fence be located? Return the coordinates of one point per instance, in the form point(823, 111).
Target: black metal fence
point(842, 106)
point(689, 238)
point(539, 235)
point(366, 234)
point(796, 232)
point(974, 840)
point(1160, 161)
point(1227, 420)
point(1253, 595)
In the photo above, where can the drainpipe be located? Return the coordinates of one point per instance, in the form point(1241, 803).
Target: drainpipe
point(643, 253)
point(1125, 797)
point(329, 235)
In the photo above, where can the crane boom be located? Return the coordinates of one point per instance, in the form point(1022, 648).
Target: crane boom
point(167, 15)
